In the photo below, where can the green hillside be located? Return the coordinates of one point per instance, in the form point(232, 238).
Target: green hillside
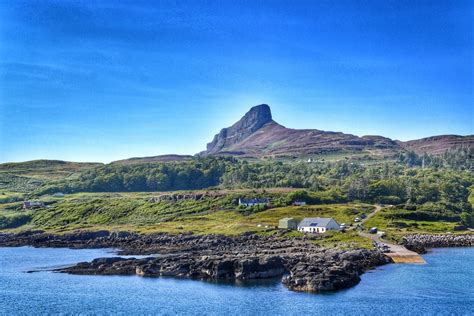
point(421, 194)
point(30, 175)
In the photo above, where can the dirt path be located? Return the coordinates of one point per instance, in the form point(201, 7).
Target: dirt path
point(377, 209)
point(398, 253)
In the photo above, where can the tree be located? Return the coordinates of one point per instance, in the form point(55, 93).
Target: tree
point(467, 219)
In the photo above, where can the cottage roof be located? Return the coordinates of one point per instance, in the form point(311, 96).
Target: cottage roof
point(315, 222)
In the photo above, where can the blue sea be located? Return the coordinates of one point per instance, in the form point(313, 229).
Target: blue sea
point(443, 286)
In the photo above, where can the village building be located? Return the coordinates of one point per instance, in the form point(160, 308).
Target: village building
point(288, 223)
point(317, 225)
point(32, 204)
point(253, 202)
point(58, 194)
point(299, 203)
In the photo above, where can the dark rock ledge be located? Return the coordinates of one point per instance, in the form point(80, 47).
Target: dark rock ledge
point(303, 265)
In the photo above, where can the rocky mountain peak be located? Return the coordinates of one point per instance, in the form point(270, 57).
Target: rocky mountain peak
point(257, 135)
point(257, 117)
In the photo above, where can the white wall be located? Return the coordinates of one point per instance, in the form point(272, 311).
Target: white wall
point(252, 204)
point(308, 229)
point(332, 225)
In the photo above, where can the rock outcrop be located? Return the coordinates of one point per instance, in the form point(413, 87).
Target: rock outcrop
point(215, 267)
point(303, 265)
point(332, 270)
point(320, 271)
point(253, 120)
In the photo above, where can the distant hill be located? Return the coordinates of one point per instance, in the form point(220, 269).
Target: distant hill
point(44, 168)
point(254, 136)
point(437, 145)
point(161, 158)
point(28, 175)
point(257, 135)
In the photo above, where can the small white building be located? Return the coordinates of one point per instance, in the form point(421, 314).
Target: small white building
point(253, 202)
point(317, 225)
point(299, 203)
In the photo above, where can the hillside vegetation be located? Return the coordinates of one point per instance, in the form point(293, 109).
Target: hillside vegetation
point(429, 187)
point(423, 194)
point(30, 175)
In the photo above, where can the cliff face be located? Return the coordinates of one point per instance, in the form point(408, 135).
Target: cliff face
point(252, 121)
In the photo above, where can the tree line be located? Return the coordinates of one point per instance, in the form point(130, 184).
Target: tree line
point(421, 188)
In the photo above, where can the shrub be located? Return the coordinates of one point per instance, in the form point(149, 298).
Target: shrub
point(13, 221)
point(391, 199)
point(425, 216)
point(467, 219)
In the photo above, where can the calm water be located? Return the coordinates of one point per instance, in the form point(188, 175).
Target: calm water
point(443, 286)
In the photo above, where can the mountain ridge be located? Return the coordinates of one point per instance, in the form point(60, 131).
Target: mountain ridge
point(439, 144)
point(256, 134)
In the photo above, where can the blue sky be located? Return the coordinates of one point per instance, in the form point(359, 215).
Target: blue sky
point(106, 80)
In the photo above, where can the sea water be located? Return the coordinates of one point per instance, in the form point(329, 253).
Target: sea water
point(444, 285)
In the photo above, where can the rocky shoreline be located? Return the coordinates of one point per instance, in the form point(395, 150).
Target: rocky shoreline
point(420, 242)
point(302, 265)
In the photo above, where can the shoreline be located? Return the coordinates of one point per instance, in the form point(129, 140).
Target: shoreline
point(301, 265)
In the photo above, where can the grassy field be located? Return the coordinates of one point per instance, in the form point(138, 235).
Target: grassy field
point(396, 228)
point(45, 169)
point(135, 212)
point(27, 176)
point(232, 222)
point(10, 197)
point(218, 214)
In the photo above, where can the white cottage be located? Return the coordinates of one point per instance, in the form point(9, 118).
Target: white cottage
point(253, 202)
point(299, 203)
point(317, 225)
